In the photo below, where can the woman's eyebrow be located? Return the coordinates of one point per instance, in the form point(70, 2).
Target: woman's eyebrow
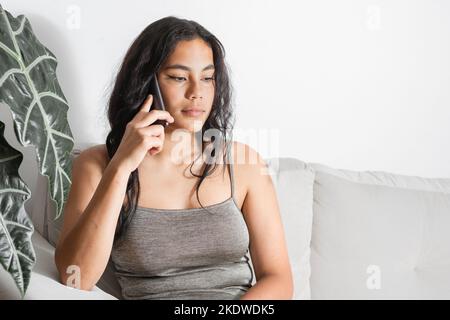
point(183, 67)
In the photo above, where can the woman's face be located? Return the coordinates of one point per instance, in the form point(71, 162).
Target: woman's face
point(186, 81)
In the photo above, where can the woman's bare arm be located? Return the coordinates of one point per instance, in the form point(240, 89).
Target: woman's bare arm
point(90, 218)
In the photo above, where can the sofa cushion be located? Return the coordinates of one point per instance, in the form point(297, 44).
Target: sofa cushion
point(378, 235)
point(294, 180)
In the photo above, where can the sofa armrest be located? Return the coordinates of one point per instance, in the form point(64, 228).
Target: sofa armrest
point(44, 283)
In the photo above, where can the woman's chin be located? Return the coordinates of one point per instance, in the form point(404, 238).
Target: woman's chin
point(191, 125)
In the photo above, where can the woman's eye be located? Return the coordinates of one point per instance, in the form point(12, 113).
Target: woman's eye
point(177, 78)
point(180, 79)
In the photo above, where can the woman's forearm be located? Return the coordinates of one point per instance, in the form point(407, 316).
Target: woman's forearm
point(270, 287)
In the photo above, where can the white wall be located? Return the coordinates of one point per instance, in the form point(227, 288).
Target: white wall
point(357, 84)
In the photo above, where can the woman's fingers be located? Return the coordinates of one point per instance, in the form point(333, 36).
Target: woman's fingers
point(156, 145)
point(147, 103)
point(143, 110)
point(150, 117)
point(154, 131)
point(146, 117)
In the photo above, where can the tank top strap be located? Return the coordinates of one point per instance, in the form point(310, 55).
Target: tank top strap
point(230, 165)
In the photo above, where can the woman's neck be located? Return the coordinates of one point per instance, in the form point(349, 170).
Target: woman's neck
point(181, 147)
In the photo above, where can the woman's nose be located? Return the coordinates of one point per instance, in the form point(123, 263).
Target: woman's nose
point(194, 91)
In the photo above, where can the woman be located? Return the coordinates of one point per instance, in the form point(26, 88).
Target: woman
point(136, 199)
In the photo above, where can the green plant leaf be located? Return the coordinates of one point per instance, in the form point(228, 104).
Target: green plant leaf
point(29, 86)
point(17, 255)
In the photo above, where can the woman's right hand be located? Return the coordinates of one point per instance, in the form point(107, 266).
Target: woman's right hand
point(141, 137)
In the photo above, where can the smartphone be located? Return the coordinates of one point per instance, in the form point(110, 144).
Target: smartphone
point(158, 102)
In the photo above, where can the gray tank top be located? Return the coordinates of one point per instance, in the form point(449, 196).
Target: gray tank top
point(187, 254)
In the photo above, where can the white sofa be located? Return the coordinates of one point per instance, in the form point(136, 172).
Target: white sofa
point(350, 235)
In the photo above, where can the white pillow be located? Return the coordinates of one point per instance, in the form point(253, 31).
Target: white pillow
point(294, 180)
point(378, 235)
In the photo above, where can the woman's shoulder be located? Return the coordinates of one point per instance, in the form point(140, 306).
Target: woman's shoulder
point(94, 156)
point(245, 156)
point(250, 168)
point(248, 164)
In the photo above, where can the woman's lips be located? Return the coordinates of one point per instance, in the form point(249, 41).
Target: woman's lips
point(192, 112)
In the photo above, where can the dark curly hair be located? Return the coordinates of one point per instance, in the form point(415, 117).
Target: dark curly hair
point(145, 56)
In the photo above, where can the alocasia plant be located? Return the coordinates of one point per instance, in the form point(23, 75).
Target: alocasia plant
point(16, 254)
point(29, 87)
